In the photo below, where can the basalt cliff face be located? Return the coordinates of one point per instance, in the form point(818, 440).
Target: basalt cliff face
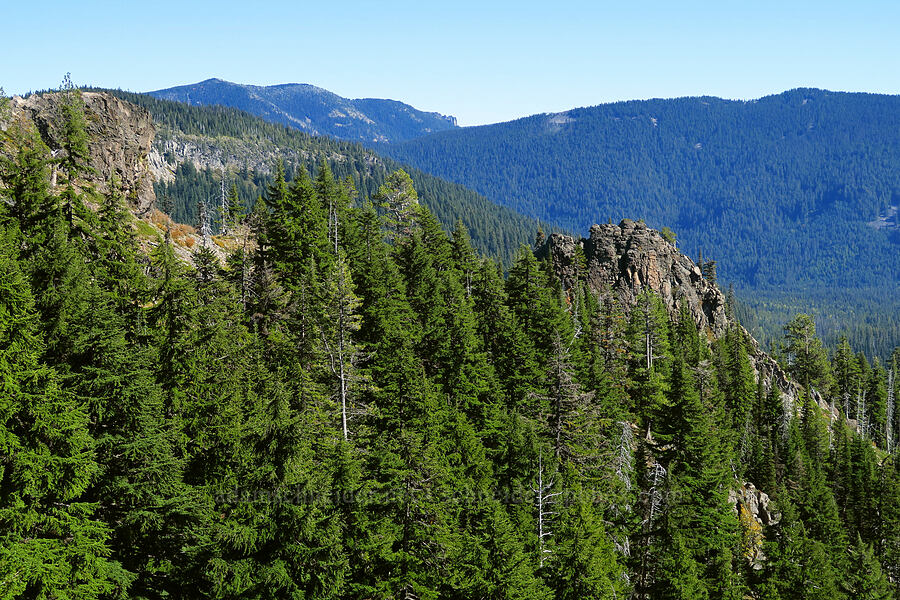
point(120, 135)
point(627, 258)
point(623, 260)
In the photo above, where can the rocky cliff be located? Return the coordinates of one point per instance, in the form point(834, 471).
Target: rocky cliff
point(624, 259)
point(621, 261)
point(755, 513)
point(120, 136)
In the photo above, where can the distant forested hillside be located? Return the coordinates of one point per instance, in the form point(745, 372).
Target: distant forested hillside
point(777, 190)
point(216, 130)
point(780, 191)
point(315, 110)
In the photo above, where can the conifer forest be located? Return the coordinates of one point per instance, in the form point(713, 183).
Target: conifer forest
point(332, 394)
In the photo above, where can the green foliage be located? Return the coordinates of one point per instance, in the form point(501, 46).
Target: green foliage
point(52, 543)
point(690, 162)
point(74, 137)
point(668, 234)
point(807, 359)
point(868, 581)
point(348, 408)
point(495, 231)
point(782, 188)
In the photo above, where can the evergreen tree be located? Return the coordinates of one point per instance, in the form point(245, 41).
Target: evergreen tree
point(400, 201)
point(52, 543)
point(584, 564)
point(846, 373)
point(647, 336)
point(344, 356)
point(807, 357)
point(867, 581)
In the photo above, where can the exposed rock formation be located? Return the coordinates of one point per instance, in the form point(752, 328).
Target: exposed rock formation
point(120, 135)
point(756, 502)
point(754, 514)
point(172, 149)
point(627, 258)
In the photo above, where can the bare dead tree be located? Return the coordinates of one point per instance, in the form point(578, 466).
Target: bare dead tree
point(203, 218)
point(544, 500)
point(889, 425)
point(223, 202)
point(862, 422)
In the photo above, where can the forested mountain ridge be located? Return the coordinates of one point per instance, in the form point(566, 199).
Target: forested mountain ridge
point(791, 192)
point(315, 110)
point(781, 191)
point(358, 405)
point(195, 145)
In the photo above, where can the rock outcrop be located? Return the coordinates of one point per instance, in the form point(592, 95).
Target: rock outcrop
point(620, 261)
point(629, 257)
point(625, 259)
point(120, 136)
point(754, 514)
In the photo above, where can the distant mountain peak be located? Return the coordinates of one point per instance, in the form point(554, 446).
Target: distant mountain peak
point(316, 110)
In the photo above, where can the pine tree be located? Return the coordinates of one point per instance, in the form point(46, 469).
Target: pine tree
point(887, 538)
point(506, 344)
point(867, 581)
point(808, 362)
point(400, 201)
point(464, 258)
point(341, 306)
point(739, 387)
point(74, 135)
point(647, 336)
point(846, 373)
point(535, 302)
point(24, 170)
point(495, 564)
point(680, 576)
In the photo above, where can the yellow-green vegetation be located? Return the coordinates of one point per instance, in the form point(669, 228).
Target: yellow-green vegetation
point(146, 230)
point(751, 534)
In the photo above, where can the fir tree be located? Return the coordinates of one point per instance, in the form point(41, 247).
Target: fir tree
point(52, 543)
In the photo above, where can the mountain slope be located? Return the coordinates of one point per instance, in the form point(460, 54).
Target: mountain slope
point(779, 190)
point(315, 110)
point(333, 415)
point(193, 145)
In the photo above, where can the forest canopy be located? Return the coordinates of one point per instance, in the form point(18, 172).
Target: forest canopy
point(356, 404)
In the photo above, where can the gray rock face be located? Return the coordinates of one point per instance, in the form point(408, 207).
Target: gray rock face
point(625, 259)
point(754, 514)
point(120, 135)
point(756, 502)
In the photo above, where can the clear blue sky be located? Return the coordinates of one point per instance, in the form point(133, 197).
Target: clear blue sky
point(480, 61)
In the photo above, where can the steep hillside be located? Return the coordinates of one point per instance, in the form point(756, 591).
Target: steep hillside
point(349, 408)
point(779, 190)
point(121, 135)
point(314, 110)
point(195, 143)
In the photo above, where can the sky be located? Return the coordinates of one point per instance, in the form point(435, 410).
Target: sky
point(482, 62)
